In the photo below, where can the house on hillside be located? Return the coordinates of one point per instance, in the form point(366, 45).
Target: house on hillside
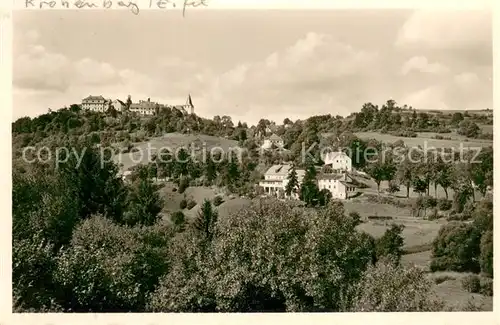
point(144, 107)
point(340, 185)
point(118, 105)
point(338, 161)
point(273, 140)
point(125, 175)
point(95, 103)
point(276, 179)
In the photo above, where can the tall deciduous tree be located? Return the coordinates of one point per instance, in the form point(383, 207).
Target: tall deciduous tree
point(381, 171)
point(463, 191)
point(444, 177)
point(481, 169)
point(419, 185)
point(405, 174)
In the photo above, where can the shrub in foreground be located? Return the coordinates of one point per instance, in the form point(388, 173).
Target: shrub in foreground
point(486, 257)
point(444, 204)
point(487, 287)
point(456, 248)
point(471, 283)
point(218, 200)
point(191, 204)
point(390, 288)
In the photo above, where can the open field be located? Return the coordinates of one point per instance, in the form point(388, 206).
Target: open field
point(421, 259)
point(425, 140)
point(416, 232)
point(173, 199)
point(486, 128)
point(171, 141)
point(454, 296)
point(365, 208)
point(452, 111)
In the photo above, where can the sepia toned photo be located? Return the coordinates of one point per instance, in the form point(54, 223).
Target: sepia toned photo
point(194, 160)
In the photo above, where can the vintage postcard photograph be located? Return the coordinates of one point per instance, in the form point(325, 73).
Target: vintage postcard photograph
point(170, 157)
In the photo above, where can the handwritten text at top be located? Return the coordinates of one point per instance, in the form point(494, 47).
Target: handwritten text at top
point(108, 4)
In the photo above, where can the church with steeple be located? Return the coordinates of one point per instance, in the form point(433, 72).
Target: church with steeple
point(189, 104)
point(188, 107)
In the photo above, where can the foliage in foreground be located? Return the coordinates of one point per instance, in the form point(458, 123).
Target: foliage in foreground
point(271, 257)
point(466, 247)
point(407, 290)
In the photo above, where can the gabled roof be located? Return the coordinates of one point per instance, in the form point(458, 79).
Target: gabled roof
point(119, 101)
point(278, 170)
point(344, 177)
point(90, 97)
point(330, 176)
point(282, 170)
point(348, 184)
point(334, 154)
point(275, 137)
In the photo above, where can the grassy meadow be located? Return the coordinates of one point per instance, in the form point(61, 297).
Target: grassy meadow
point(425, 139)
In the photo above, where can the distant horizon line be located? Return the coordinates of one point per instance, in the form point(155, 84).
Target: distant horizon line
point(299, 119)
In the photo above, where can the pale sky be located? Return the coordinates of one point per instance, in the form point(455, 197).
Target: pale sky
point(254, 64)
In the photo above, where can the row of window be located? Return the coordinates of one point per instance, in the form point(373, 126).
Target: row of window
point(273, 183)
point(348, 188)
point(275, 177)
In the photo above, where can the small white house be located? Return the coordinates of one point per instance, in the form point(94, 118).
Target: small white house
point(118, 105)
point(338, 184)
point(273, 140)
point(339, 161)
point(276, 178)
point(125, 175)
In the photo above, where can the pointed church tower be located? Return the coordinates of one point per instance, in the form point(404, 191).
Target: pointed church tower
point(189, 103)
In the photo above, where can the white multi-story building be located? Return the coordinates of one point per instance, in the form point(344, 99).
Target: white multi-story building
point(273, 140)
point(144, 107)
point(276, 179)
point(338, 184)
point(95, 103)
point(339, 161)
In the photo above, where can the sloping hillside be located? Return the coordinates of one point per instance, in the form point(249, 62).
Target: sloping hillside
point(171, 141)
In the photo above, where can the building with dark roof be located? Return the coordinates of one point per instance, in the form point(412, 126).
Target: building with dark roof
point(95, 103)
